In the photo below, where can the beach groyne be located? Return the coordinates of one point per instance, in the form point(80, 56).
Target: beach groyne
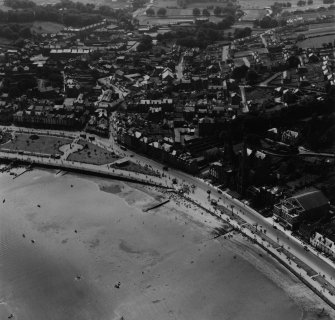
point(156, 205)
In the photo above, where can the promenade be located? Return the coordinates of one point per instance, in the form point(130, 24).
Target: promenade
point(85, 168)
point(314, 271)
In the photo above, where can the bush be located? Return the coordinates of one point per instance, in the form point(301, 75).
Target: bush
point(34, 137)
point(161, 12)
point(150, 12)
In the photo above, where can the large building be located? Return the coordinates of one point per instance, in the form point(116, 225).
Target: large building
point(323, 243)
point(307, 205)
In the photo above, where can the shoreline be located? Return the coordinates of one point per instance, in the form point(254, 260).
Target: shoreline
point(305, 308)
point(182, 209)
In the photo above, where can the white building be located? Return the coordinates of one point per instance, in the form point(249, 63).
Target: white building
point(323, 244)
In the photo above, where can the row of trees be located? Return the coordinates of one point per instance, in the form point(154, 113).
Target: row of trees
point(197, 12)
point(19, 4)
point(302, 3)
point(72, 14)
point(161, 12)
point(218, 11)
point(266, 23)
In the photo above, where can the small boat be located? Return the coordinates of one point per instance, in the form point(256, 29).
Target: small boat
point(75, 231)
point(11, 316)
point(23, 235)
point(32, 241)
point(3, 201)
point(39, 206)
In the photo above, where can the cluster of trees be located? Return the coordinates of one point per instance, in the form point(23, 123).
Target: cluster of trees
point(328, 1)
point(201, 35)
point(19, 4)
point(48, 13)
point(161, 12)
point(145, 44)
point(277, 7)
point(138, 4)
point(197, 12)
point(302, 3)
point(14, 31)
point(266, 23)
point(242, 33)
point(76, 14)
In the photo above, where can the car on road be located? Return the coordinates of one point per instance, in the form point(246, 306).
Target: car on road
point(306, 248)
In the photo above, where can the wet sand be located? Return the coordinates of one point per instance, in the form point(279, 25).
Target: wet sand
point(90, 238)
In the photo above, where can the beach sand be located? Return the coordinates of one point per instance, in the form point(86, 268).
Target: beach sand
point(98, 255)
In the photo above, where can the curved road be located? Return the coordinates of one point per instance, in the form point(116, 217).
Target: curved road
point(248, 214)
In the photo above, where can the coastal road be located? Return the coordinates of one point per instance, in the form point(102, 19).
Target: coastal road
point(248, 214)
point(200, 196)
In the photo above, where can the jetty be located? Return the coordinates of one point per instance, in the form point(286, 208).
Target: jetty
point(156, 205)
point(29, 168)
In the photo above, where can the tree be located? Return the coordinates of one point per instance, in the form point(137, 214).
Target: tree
point(217, 11)
point(301, 37)
point(205, 13)
point(252, 76)
point(196, 12)
point(310, 2)
point(242, 33)
point(161, 12)
point(268, 22)
point(150, 12)
point(293, 61)
point(239, 72)
point(145, 44)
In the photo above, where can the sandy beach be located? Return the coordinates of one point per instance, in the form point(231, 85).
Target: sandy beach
point(82, 248)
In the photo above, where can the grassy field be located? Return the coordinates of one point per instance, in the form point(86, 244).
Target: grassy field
point(44, 144)
point(46, 27)
point(92, 154)
point(317, 41)
point(253, 14)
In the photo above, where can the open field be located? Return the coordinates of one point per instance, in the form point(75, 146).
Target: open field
point(46, 27)
point(317, 41)
point(253, 14)
point(44, 144)
point(313, 15)
point(92, 154)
